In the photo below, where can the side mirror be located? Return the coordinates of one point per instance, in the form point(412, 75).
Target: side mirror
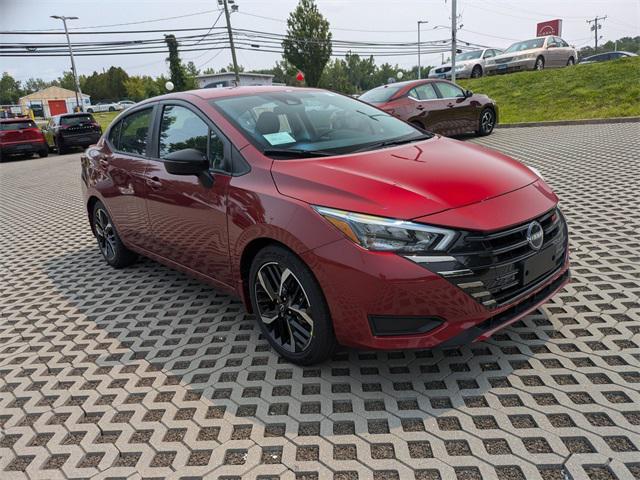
point(189, 161)
point(468, 93)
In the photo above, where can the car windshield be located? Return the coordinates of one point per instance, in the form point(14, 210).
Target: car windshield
point(380, 94)
point(526, 45)
point(76, 120)
point(289, 124)
point(4, 126)
point(469, 55)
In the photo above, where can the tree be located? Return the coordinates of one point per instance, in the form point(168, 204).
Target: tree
point(67, 81)
point(192, 72)
point(176, 69)
point(336, 77)
point(10, 90)
point(34, 85)
point(308, 41)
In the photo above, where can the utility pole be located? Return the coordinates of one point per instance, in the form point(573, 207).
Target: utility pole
point(233, 48)
point(64, 19)
point(595, 28)
point(454, 30)
point(419, 23)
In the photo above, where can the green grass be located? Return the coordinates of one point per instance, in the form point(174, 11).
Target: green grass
point(105, 118)
point(599, 90)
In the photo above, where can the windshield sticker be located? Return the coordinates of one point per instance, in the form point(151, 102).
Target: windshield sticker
point(279, 138)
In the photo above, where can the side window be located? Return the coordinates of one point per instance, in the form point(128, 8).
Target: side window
point(489, 54)
point(134, 132)
point(413, 93)
point(551, 42)
point(562, 43)
point(180, 128)
point(426, 92)
point(114, 135)
point(448, 90)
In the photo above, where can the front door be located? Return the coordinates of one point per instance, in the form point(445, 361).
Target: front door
point(427, 108)
point(189, 219)
point(460, 113)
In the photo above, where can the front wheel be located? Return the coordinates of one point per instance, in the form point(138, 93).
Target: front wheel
point(476, 72)
point(539, 65)
point(44, 152)
point(487, 122)
point(109, 243)
point(570, 62)
point(290, 307)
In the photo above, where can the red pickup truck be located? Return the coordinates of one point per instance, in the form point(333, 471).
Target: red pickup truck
point(21, 136)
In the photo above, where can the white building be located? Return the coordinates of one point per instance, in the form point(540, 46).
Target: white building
point(228, 79)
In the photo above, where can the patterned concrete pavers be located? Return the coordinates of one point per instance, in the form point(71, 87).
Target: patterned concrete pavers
point(146, 373)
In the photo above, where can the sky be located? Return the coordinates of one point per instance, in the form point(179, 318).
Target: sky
point(495, 23)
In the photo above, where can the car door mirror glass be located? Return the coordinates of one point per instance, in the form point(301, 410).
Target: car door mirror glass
point(187, 161)
point(468, 93)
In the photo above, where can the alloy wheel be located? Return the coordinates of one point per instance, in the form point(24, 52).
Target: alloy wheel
point(539, 64)
point(283, 307)
point(105, 234)
point(487, 121)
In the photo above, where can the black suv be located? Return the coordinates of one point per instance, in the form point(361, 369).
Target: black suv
point(72, 130)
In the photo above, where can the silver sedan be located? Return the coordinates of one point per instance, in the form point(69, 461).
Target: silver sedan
point(534, 54)
point(468, 64)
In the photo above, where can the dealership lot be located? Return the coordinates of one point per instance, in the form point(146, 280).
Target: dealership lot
point(144, 372)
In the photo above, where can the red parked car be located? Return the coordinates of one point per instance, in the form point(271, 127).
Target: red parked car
point(335, 222)
point(21, 136)
point(439, 106)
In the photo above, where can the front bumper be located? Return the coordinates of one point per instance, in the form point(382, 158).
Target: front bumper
point(512, 66)
point(385, 301)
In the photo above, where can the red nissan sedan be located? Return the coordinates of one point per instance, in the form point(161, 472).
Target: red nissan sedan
point(335, 222)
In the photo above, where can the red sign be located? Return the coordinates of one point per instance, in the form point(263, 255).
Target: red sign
point(300, 76)
point(550, 27)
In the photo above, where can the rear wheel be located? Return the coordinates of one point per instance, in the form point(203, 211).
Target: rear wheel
point(539, 65)
point(476, 72)
point(290, 307)
point(112, 109)
point(487, 122)
point(44, 152)
point(570, 62)
point(111, 247)
point(61, 148)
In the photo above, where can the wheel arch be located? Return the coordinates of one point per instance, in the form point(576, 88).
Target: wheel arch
point(249, 252)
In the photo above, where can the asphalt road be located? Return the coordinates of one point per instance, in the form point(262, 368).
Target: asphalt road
point(144, 372)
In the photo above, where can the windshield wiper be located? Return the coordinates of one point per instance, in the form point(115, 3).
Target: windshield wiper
point(392, 143)
point(295, 153)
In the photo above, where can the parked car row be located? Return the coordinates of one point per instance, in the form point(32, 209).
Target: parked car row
point(106, 106)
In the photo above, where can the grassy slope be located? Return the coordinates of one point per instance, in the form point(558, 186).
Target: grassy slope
point(105, 118)
point(600, 90)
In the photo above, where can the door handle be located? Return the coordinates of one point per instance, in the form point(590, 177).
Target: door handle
point(420, 107)
point(154, 183)
point(450, 105)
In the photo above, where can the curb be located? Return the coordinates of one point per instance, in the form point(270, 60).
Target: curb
point(590, 121)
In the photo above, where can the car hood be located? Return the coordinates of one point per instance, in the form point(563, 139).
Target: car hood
point(405, 182)
point(463, 62)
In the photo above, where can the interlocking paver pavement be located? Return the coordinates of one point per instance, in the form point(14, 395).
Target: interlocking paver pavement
point(146, 373)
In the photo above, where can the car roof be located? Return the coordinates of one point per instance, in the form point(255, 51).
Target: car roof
point(74, 114)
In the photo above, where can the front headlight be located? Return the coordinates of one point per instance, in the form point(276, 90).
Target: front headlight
point(460, 67)
point(388, 234)
point(527, 55)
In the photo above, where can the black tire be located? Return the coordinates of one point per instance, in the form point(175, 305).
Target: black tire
point(476, 72)
point(289, 302)
point(486, 122)
point(44, 152)
point(539, 65)
point(109, 243)
point(571, 62)
point(112, 109)
point(89, 110)
point(1, 156)
point(61, 148)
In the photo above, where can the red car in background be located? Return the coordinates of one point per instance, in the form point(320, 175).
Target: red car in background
point(439, 106)
point(334, 222)
point(21, 136)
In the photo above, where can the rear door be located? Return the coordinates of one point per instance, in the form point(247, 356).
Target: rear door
point(188, 219)
point(564, 52)
point(124, 187)
point(460, 113)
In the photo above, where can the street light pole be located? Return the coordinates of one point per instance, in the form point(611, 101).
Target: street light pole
point(419, 23)
point(73, 62)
